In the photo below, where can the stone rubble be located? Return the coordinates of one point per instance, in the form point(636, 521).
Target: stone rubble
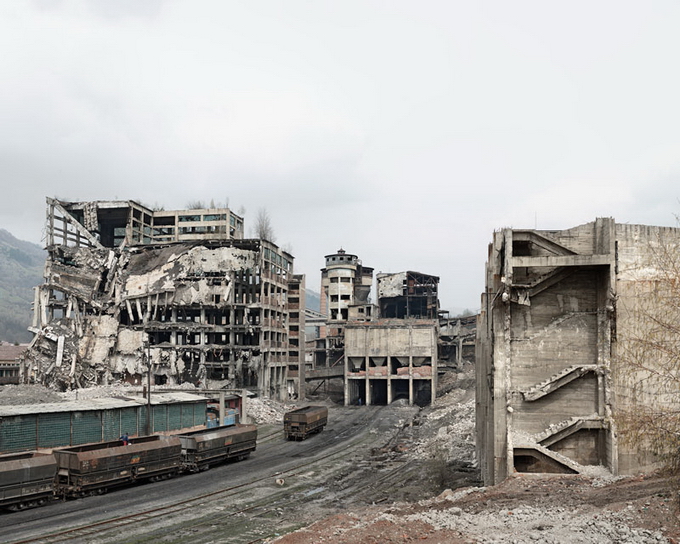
point(263, 411)
point(530, 524)
point(28, 394)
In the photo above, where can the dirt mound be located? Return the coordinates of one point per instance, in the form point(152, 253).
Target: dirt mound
point(28, 394)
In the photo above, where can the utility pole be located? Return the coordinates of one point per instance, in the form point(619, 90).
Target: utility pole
point(148, 385)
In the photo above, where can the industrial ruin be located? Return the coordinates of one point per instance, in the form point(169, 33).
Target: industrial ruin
point(179, 296)
point(381, 352)
point(560, 317)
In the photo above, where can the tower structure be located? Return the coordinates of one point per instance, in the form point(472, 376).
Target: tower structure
point(346, 287)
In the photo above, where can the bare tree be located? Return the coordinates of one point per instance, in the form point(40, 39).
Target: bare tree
point(195, 205)
point(648, 353)
point(263, 226)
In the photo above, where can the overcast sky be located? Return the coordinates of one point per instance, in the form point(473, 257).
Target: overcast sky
point(404, 132)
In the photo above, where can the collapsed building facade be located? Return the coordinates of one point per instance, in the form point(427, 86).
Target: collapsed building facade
point(562, 313)
point(457, 341)
point(182, 293)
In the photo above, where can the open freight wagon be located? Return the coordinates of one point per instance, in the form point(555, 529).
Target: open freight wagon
point(26, 479)
point(206, 447)
point(95, 467)
point(303, 422)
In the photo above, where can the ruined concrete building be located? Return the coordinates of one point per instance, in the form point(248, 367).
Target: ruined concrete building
point(559, 314)
point(391, 359)
point(408, 294)
point(395, 356)
point(457, 341)
point(345, 289)
point(127, 286)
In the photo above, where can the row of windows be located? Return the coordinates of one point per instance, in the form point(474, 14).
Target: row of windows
point(205, 217)
point(276, 258)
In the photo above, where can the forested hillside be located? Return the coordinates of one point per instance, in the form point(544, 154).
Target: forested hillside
point(21, 269)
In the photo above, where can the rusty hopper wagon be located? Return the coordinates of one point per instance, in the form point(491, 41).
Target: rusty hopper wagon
point(299, 424)
point(27, 479)
point(206, 447)
point(92, 468)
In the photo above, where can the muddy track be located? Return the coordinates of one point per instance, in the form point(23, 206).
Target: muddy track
point(208, 501)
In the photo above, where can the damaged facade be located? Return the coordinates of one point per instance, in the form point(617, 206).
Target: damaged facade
point(345, 290)
point(182, 290)
point(557, 313)
point(457, 341)
point(408, 295)
point(391, 359)
point(395, 356)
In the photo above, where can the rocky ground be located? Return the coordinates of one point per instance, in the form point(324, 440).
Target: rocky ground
point(438, 498)
point(523, 509)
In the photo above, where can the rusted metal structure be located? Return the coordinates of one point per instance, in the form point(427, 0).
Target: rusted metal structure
point(99, 466)
point(304, 422)
point(206, 447)
point(26, 479)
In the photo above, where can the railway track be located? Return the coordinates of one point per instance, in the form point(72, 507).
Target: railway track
point(237, 494)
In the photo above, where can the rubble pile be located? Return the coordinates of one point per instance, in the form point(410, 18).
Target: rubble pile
point(531, 523)
point(262, 410)
point(122, 390)
point(447, 429)
point(28, 394)
point(102, 391)
point(455, 437)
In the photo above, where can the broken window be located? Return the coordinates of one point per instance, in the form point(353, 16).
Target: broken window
point(189, 218)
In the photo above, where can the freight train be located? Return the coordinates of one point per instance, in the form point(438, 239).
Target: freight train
point(32, 478)
point(303, 422)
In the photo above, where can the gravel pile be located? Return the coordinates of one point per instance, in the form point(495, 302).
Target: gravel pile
point(447, 429)
point(263, 411)
point(529, 525)
point(28, 394)
point(122, 390)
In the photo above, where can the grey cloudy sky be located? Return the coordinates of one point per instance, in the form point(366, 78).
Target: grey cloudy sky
point(405, 132)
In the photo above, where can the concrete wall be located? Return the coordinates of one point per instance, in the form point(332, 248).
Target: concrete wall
point(389, 359)
point(564, 348)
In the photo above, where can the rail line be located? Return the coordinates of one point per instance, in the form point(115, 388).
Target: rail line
point(98, 527)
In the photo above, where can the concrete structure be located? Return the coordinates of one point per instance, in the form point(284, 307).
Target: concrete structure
point(345, 282)
point(345, 289)
point(457, 341)
point(408, 295)
point(126, 285)
point(390, 359)
point(296, 337)
point(378, 360)
point(10, 362)
point(558, 309)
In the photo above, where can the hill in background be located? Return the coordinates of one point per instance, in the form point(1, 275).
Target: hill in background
point(312, 300)
point(21, 269)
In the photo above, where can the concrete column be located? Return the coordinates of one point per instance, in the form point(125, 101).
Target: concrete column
point(410, 374)
point(244, 402)
point(346, 363)
point(222, 410)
